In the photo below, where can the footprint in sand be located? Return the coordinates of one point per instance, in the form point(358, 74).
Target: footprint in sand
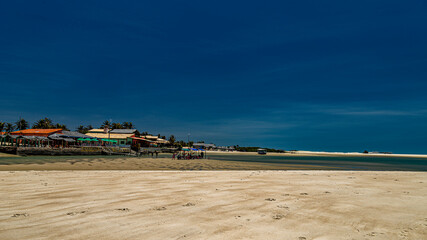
point(278, 216)
point(123, 209)
point(303, 193)
point(302, 238)
point(159, 208)
point(20, 215)
point(373, 234)
point(404, 234)
point(270, 199)
point(189, 204)
point(75, 213)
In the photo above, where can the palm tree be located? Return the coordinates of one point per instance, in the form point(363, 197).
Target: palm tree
point(9, 127)
point(106, 124)
point(61, 126)
point(128, 125)
point(172, 139)
point(116, 126)
point(2, 124)
point(81, 129)
point(44, 123)
point(21, 124)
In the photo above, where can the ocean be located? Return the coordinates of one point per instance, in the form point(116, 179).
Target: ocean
point(374, 163)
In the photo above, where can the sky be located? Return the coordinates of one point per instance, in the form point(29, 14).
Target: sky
point(305, 75)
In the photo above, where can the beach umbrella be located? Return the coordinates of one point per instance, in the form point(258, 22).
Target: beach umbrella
point(84, 139)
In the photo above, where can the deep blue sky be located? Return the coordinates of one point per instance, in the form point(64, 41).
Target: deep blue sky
point(310, 75)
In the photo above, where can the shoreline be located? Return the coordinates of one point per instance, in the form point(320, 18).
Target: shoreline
point(312, 153)
point(215, 161)
point(295, 153)
point(154, 164)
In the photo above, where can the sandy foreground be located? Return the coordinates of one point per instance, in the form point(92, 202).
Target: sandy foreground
point(213, 205)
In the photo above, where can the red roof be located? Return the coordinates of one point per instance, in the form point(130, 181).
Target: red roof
point(36, 132)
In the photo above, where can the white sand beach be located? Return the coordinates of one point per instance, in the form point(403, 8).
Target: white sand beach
point(213, 205)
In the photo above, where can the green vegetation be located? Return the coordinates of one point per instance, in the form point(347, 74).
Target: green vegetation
point(82, 129)
point(106, 124)
point(183, 144)
point(172, 139)
point(255, 149)
point(21, 124)
point(113, 125)
point(9, 127)
point(127, 125)
point(46, 123)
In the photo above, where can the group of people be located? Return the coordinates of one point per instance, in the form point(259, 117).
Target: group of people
point(188, 155)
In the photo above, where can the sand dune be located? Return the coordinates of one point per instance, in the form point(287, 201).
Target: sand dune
point(213, 205)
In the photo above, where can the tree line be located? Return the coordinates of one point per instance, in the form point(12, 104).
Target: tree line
point(255, 149)
point(47, 123)
point(106, 124)
point(22, 124)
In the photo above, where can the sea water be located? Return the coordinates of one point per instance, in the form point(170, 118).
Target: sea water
point(335, 162)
